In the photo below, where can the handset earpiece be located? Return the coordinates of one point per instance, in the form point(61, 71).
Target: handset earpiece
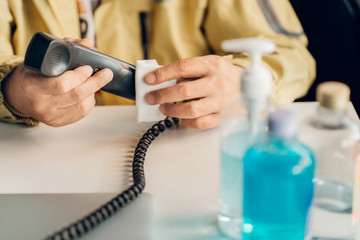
point(56, 60)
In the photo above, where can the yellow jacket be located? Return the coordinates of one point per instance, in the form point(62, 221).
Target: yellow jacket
point(176, 29)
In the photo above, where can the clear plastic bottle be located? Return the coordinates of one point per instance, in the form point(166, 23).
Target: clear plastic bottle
point(241, 124)
point(278, 187)
point(334, 138)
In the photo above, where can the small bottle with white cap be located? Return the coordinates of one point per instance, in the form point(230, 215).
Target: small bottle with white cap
point(278, 186)
point(243, 122)
point(334, 138)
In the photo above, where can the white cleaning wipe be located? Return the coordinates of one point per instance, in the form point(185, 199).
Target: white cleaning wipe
point(144, 111)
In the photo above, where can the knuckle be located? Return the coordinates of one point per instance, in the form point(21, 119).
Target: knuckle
point(60, 86)
point(216, 61)
point(182, 65)
point(85, 106)
point(160, 73)
point(82, 109)
point(100, 81)
point(185, 90)
point(76, 94)
point(193, 109)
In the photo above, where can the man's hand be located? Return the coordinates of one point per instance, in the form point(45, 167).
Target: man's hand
point(55, 101)
point(212, 81)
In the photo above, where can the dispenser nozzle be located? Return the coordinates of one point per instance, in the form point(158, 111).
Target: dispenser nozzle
point(256, 47)
point(256, 79)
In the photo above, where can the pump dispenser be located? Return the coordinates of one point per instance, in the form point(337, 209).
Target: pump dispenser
point(256, 79)
point(242, 123)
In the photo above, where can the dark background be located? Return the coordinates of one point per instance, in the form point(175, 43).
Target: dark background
point(333, 30)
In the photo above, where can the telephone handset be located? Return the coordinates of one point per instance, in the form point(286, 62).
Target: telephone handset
point(52, 56)
point(81, 227)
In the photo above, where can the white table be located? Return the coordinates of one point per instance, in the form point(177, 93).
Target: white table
point(90, 156)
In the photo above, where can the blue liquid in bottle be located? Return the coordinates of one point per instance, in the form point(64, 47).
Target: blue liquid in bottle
point(278, 189)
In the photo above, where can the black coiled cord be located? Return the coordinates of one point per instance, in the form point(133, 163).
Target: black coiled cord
point(81, 227)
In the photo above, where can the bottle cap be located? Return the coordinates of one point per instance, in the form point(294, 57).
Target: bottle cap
point(283, 123)
point(333, 95)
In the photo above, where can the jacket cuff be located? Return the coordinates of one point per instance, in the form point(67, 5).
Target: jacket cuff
point(7, 112)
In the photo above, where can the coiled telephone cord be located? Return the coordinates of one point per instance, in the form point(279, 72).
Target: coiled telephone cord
point(81, 227)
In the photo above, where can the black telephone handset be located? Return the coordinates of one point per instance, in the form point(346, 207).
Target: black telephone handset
point(53, 56)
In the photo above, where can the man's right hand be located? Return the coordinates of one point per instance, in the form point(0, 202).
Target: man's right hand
point(55, 101)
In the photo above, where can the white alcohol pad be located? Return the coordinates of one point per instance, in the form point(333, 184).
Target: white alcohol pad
point(144, 111)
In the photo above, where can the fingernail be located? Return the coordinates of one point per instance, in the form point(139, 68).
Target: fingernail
point(89, 71)
point(108, 74)
point(69, 39)
point(150, 78)
point(150, 98)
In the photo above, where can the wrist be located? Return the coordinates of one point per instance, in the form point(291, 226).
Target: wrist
point(5, 91)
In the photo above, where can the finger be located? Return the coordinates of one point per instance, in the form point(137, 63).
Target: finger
point(67, 81)
point(73, 113)
point(86, 42)
point(180, 92)
point(192, 109)
point(185, 68)
point(88, 88)
point(203, 122)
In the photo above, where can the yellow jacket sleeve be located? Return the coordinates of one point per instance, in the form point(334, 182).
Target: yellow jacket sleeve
point(8, 62)
point(292, 66)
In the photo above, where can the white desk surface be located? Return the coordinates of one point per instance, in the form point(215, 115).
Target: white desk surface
point(92, 156)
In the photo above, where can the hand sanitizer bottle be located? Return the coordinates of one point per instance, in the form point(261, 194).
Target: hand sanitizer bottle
point(334, 139)
point(278, 187)
point(241, 124)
